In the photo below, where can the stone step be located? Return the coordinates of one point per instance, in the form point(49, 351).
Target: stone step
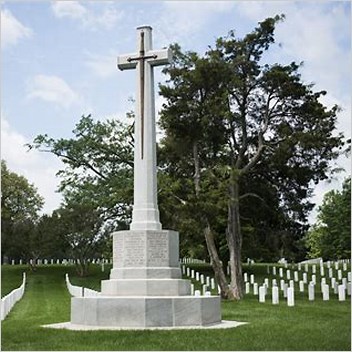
point(146, 273)
point(146, 287)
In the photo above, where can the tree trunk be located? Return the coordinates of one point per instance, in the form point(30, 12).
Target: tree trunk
point(216, 263)
point(234, 240)
point(209, 238)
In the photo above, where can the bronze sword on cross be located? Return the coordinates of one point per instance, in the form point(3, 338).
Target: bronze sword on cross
point(142, 57)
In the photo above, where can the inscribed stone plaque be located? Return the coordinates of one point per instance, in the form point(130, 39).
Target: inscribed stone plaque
point(134, 250)
point(157, 249)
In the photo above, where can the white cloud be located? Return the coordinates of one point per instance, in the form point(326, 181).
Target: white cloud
point(180, 20)
point(102, 66)
point(52, 89)
point(38, 168)
point(86, 15)
point(71, 9)
point(12, 30)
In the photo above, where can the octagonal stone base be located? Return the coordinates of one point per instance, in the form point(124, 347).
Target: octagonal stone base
point(145, 311)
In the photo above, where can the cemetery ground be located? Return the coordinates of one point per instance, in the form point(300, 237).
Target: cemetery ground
point(318, 325)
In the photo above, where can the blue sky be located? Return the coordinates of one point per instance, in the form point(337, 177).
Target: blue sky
point(59, 62)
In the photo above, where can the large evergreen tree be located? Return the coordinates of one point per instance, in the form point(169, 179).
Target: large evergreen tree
point(233, 120)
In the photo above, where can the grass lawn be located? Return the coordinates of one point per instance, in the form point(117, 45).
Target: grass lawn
point(308, 326)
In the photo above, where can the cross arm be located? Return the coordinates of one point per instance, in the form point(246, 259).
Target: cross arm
point(163, 57)
point(124, 63)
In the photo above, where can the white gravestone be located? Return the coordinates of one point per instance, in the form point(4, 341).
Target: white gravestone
point(314, 279)
point(274, 282)
point(305, 278)
point(288, 274)
point(349, 288)
point(251, 278)
point(274, 270)
point(212, 283)
point(330, 273)
point(197, 276)
point(314, 269)
point(322, 273)
point(299, 266)
point(295, 276)
point(336, 265)
point(262, 294)
point(291, 283)
point(349, 276)
point(344, 266)
point(247, 287)
point(311, 291)
point(325, 292)
point(301, 286)
point(306, 268)
point(192, 274)
point(290, 297)
point(145, 288)
point(202, 279)
point(245, 277)
point(333, 281)
point(255, 289)
point(281, 272)
point(282, 283)
point(275, 295)
point(188, 272)
point(342, 293)
point(339, 274)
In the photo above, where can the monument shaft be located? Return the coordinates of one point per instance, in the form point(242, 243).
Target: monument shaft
point(145, 209)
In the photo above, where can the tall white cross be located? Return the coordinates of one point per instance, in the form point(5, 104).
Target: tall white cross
point(145, 214)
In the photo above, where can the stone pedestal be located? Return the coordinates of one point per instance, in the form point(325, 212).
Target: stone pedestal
point(145, 287)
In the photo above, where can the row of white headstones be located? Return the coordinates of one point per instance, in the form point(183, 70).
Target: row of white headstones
point(58, 261)
point(207, 283)
point(288, 289)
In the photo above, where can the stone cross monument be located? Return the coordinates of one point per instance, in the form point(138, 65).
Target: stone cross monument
point(145, 287)
point(145, 210)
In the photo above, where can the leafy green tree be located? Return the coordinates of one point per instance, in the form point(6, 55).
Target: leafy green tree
point(230, 119)
point(20, 204)
point(330, 237)
point(98, 166)
point(82, 228)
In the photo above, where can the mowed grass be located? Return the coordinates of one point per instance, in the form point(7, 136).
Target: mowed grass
point(12, 279)
point(308, 326)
